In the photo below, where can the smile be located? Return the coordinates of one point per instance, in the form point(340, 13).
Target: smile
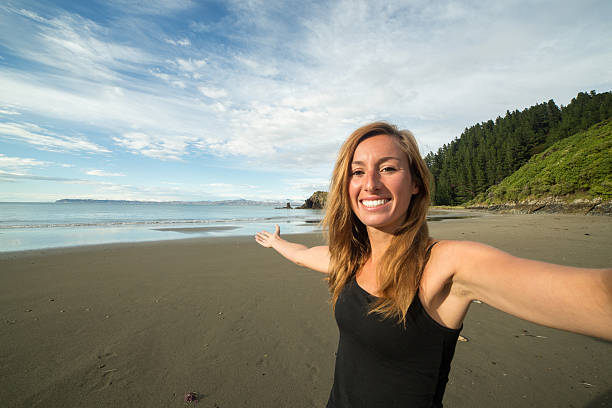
point(374, 203)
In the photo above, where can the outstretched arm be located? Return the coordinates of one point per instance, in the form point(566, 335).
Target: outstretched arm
point(316, 258)
point(568, 298)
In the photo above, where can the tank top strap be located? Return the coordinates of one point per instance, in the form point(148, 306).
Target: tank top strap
point(428, 252)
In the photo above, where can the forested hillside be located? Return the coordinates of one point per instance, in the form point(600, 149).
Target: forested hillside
point(488, 152)
point(577, 167)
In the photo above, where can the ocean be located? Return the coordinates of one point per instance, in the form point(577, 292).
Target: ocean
point(25, 226)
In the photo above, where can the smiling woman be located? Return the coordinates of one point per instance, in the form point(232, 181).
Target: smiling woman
point(400, 297)
point(381, 185)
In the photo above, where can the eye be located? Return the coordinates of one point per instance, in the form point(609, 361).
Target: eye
point(388, 169)
point(357, 172)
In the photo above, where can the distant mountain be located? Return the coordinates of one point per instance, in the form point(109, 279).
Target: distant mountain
point(238, 202)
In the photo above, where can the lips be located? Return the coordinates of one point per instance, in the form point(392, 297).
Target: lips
point(375, 203)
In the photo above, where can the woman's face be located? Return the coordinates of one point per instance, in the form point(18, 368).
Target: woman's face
point(380, 183)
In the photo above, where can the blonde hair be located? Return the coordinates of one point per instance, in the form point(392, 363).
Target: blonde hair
point(400, 269)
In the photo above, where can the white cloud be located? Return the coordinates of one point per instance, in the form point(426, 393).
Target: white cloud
point(256, 67)
point(307, 185)
point(161, 75)
point(43, 139)
point(8, 112)
point(30, 14)
point(214, 93)
point(155, 146)
point(8, 176)
point(71, 43)
point(19, 163)
point(103, 108)
point(190, 65)
point(102, 173)
point(183, 42)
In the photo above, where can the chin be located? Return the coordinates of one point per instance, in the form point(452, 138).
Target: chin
point(379, 224)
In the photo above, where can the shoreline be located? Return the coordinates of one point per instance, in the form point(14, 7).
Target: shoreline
point(127, 234)
point(141, 324)
point(206, 240)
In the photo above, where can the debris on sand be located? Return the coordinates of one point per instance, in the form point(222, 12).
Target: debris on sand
point(526, 333)
point(192, 397)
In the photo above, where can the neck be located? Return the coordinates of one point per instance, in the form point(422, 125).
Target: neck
point(379, 242)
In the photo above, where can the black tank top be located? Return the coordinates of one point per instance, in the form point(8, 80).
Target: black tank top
point(381, 363)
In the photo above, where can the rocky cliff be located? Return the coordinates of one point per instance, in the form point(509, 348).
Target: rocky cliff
point(595, 206)
point(316, 201)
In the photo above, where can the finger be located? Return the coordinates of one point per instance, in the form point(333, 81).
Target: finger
point(276, 229)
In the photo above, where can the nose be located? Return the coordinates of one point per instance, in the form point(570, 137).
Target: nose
point(372, 181)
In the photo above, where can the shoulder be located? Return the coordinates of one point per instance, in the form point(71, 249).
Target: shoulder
point(449, 259)
point(445, 254)
point(455, 254)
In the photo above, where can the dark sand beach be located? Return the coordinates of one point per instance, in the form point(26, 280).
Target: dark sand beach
point(139, 325)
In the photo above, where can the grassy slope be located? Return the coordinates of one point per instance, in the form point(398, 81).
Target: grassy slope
point(579, 166)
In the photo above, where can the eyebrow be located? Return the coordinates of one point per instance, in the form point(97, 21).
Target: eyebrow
point(382, 159)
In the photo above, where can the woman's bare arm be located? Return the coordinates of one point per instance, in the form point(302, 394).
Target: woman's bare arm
point(315, 258)
point(568, 298)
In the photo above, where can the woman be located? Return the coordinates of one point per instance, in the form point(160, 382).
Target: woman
point(400, 298)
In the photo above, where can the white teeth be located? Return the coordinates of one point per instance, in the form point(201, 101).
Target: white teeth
point(374, 203)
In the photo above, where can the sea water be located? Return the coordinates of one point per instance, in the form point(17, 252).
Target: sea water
point(26, 226)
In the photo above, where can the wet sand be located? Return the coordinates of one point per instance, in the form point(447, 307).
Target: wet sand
point(197, 230)
point(141, 324)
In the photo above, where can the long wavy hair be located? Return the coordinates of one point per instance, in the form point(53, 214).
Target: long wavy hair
point(401, 267)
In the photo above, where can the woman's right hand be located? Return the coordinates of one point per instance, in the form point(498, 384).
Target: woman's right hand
point(265, 239)
point(316, 258)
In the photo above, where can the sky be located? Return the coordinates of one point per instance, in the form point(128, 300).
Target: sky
point(189, 100)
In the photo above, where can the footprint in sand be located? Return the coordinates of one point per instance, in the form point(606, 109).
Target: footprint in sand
point(104, 372)
point(313, 371)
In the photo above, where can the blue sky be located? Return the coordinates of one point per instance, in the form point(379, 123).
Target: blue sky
point(205, 100)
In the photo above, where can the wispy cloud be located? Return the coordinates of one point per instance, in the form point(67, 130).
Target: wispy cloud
point(102, 173)
point(19, 163)
point(156, 146)
point(183, 42)
point(8, 176)
point(308, 185)
point(74, 44)
point(190, 65)
point(151, 6)
point(8, 112)
point(213, 93)
point(43, 139)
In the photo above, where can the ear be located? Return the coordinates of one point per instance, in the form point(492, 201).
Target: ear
point(415, 188)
